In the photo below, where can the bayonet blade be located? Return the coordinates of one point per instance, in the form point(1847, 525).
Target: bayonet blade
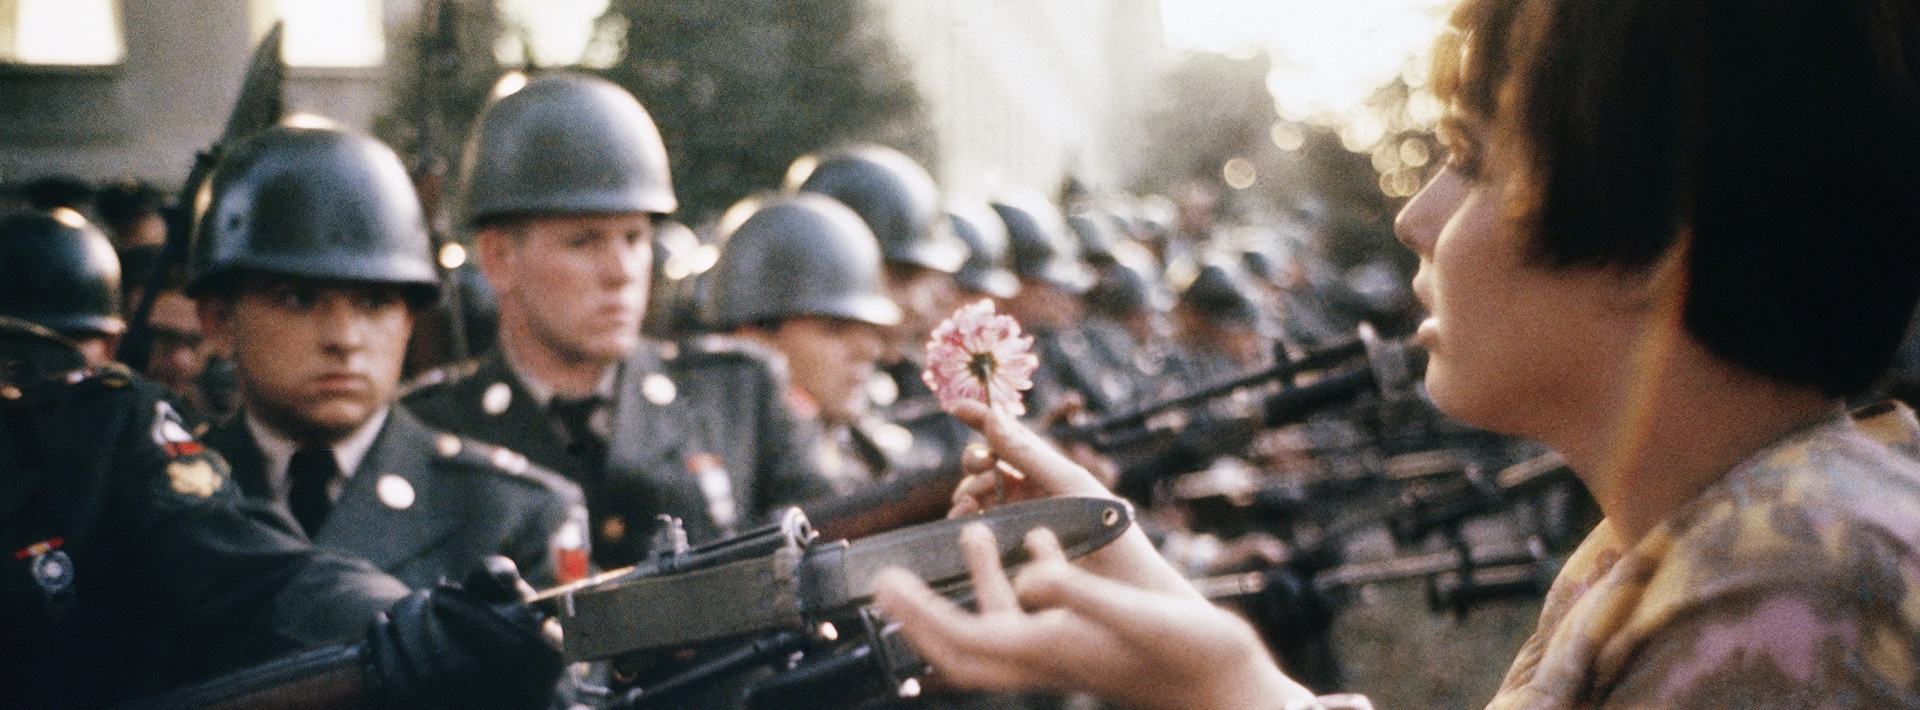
point(262, 98)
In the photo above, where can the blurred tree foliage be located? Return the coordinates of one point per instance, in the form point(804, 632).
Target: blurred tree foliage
point(1213, 108)
point(740, 88)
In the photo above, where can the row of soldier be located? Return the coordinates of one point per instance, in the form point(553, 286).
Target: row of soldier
point(561, 446)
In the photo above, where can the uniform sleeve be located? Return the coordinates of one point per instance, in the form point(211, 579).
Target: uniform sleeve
point(790, 474)
point(243, 585)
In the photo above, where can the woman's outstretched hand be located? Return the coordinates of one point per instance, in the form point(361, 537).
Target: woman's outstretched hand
point(1017, 464)
point(1055, 626)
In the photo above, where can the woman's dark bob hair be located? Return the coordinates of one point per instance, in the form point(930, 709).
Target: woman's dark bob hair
point(1780, 138)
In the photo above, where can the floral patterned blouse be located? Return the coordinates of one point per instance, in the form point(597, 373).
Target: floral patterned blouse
point(1793, 582)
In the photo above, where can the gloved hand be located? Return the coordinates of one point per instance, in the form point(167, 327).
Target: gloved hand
point(474, 645)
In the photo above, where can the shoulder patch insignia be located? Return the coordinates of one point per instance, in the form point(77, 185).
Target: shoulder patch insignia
point(194, 477)
point(170, 432)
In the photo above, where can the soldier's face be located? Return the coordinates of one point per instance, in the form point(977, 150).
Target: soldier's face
point(926, 297)
point(573, 286)
point(179, 348)
point(831, 359)
point(317, 359)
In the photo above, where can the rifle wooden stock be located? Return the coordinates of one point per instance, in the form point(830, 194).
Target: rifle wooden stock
point(911, 498)
point(321, 679)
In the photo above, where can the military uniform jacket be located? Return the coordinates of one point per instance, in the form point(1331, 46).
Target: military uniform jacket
point(131, 563)
point(455, 502)
point(698, 432)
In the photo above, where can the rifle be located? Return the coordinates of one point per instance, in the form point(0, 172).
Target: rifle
point(440, 335)
point(1185, 433)
point(767, 595)
point(259, 105)
point(1389, 368)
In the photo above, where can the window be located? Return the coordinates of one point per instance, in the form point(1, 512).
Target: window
point(324, 33)
point(61, 32)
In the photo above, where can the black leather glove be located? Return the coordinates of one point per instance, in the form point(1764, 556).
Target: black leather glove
point(474, 645)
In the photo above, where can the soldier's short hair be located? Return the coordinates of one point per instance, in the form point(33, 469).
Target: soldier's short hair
point(1782, 136)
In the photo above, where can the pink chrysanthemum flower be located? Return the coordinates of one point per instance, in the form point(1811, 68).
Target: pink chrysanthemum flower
point(977, 355)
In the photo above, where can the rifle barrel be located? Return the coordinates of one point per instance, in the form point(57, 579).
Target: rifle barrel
point(1311, 362)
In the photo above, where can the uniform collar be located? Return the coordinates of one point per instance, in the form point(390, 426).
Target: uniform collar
point(278, 450)
point(543, 393)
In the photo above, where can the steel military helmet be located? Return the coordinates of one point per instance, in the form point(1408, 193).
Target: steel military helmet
point(985, 269)
point(898, 200)
point(1041, 246)
point(311, 202)
point(564, 144)
point(805, 255)
point(1219, 295)
point(58, 272)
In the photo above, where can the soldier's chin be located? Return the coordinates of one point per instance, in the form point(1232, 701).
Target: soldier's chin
point(609, 346)
point(331, 419)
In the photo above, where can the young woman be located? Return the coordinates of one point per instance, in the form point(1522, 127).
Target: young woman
point(1673, 237)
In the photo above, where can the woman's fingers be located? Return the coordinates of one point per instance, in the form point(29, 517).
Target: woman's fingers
point(992, 593)
point(1044, 545)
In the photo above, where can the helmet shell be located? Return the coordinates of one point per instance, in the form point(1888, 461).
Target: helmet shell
point(59, 272)
point(1040, 244)
point(898, 200)
point(564, 144)
point(805, 255)
point(311, 202)
point(985, 270)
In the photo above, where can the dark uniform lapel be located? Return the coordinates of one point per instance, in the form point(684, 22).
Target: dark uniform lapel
point(523, 426)
point(235, 443)
point(644, 433)
point(365, 524)
point(653, 438)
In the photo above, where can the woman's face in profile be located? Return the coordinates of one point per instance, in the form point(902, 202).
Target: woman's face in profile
point(1515, 347)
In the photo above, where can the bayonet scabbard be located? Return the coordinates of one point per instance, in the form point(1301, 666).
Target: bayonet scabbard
point(798, 585)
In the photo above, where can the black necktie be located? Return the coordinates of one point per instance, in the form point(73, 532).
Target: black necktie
point(310, 471)
point(575, 417)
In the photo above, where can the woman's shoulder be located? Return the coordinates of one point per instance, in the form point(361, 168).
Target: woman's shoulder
point(1807, 554)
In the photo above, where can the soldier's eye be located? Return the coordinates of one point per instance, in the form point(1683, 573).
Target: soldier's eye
point(377, 299)
point(296, 298)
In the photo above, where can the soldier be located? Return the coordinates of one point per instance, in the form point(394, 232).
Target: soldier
point(1217, 323)
point(63, 275)
point(803, 277)
point(1052, 281)
point(900, 203)
point(919, 255)
point(984, 274)
point(310, 263)
point(565, 180)
point(137, 565)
